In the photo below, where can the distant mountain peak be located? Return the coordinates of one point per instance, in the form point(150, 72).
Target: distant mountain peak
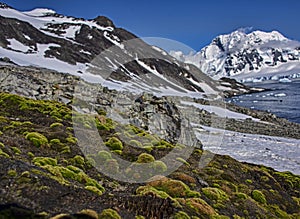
point(243, 54)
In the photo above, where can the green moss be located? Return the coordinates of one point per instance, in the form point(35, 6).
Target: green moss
point(67, 173)
point(42, 161)
point(174, 188)
point(74, 169)
point(278, 212)
point(37, 139)
point(65, 150)
point(94, 189)
point(148, 148)
point(264, 178)
point(241, 195)
point(145, 158)
point(93, 182)
point(159, 166)
point(151, 191)
point(109, 214)
point(30, 155)
point(25, 174)
point(15, 124)
point(3, 119)
point(54, 141)
point(56, 124)
point(135, 143)
point(72, 140)
point(199, 206)
point(248, 181)
point(114, 143)
point(78, 160)
point(2, 145)
point(12, 173)
point(139, 217)
point(290, 178)
point(101, 112)
point(259, 196)
point(3, 154)
point(165, 144)
point(103, 155)
point(181, 160)
point(215, 194)
point(88, 213)
point(297, 200)
point(219, 217)
point(134, 130)
point(104, 123)
point(181, 215)
point(16, 150)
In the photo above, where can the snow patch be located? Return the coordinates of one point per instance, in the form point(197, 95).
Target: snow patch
point(17, 46)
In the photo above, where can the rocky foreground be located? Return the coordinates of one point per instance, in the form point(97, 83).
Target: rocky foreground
point(46, 173)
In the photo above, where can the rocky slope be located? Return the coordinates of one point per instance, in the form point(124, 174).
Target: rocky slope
point(248, 56)
point(44, 173)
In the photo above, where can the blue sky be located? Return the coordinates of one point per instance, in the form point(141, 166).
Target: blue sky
point(191, 22)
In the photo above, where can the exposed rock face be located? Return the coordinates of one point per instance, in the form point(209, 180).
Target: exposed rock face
point(158, 115)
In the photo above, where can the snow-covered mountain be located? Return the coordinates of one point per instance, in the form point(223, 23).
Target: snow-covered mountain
point(247, 56)
point(95, 50)
point(99, 52)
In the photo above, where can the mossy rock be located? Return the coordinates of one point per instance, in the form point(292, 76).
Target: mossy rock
point(104, 155)
point(259, 196)
point(114, 143)
point(181, 215)
point(109, 214)
point(219, 217)
point(174, 188)
point(149, 190)
point(87, 213)
point(3, 154)
point(56, 125)
point(12, 173)
point(78, 160)
point(16, 150)
point(241, 196)
point(135, 143)
point(37, 139)
point(145, 158)
point(72, 140)
point(42, 161)
point(199, 206)
point(290, 178)
point(159, 166)
point(215, 194)
point(181, 160)
point(94, 189)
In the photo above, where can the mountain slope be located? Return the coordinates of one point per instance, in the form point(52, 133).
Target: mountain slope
point(95, 50)
point(244, 55)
